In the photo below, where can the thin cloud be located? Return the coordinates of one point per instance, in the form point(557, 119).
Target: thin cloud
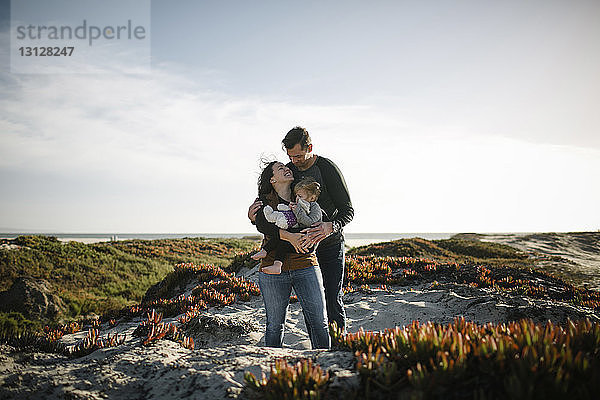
point(160, 152)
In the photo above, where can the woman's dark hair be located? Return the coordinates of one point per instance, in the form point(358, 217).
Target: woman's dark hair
point(296, 135)
point(264, 180)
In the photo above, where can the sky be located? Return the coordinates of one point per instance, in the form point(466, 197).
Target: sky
point(443, 116)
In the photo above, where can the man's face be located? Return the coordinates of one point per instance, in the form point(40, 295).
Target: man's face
point(300, 157)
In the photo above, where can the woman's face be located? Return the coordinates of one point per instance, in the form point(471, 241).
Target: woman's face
point(281, 173)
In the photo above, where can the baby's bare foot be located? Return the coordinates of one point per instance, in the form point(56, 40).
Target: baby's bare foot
point(261, 254)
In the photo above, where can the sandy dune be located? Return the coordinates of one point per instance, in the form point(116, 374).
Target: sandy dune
point(215, 369)
point(574, 256)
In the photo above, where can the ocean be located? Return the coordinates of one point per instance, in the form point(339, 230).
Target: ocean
point(352, 239)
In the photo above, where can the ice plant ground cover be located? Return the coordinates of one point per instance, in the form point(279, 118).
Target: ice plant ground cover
point(461, 360)
point(508, 279)
point(515, 360)
point(301, 380)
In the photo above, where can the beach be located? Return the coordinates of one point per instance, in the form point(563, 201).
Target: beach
point(215, 369)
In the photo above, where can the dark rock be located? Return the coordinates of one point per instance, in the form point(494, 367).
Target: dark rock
point(33, 298)
point(210, 330)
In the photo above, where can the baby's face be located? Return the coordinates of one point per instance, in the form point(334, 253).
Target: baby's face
point(304, 195)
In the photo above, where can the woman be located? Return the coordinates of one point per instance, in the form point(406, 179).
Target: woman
point(299, 271)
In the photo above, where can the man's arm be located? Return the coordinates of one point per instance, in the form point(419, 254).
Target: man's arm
point(338, 191)
point(265, 227)
point(253, 209)
point(295, 239)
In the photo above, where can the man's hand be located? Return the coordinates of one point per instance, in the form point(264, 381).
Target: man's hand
point(317, 232)
point(254, 207)
point(295, 239)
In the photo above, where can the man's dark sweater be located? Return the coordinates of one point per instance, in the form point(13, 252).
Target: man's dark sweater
point(334, 198)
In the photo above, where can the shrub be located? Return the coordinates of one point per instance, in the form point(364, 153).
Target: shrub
point(241, 261)
point(100, 277)
point(15, 322)
point(479, 249)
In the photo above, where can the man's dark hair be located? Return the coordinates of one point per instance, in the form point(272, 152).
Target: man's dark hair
point(296, 135)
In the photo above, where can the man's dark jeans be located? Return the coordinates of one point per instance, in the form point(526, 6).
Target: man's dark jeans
point(331, 261)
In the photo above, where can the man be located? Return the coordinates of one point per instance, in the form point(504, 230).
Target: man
point(335, 201)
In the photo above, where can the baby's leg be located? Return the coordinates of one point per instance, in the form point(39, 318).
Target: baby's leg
point(274, 269)
point(261, 254)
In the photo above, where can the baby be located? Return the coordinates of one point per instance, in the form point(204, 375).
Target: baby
point(301, 214)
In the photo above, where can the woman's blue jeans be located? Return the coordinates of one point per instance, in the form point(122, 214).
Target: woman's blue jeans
point(276, 291)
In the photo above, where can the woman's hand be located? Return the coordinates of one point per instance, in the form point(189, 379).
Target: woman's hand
point(297, 240)
point(253, 209)
point(317, 232)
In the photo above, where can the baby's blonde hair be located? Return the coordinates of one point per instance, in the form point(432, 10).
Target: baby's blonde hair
point(310, 185)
